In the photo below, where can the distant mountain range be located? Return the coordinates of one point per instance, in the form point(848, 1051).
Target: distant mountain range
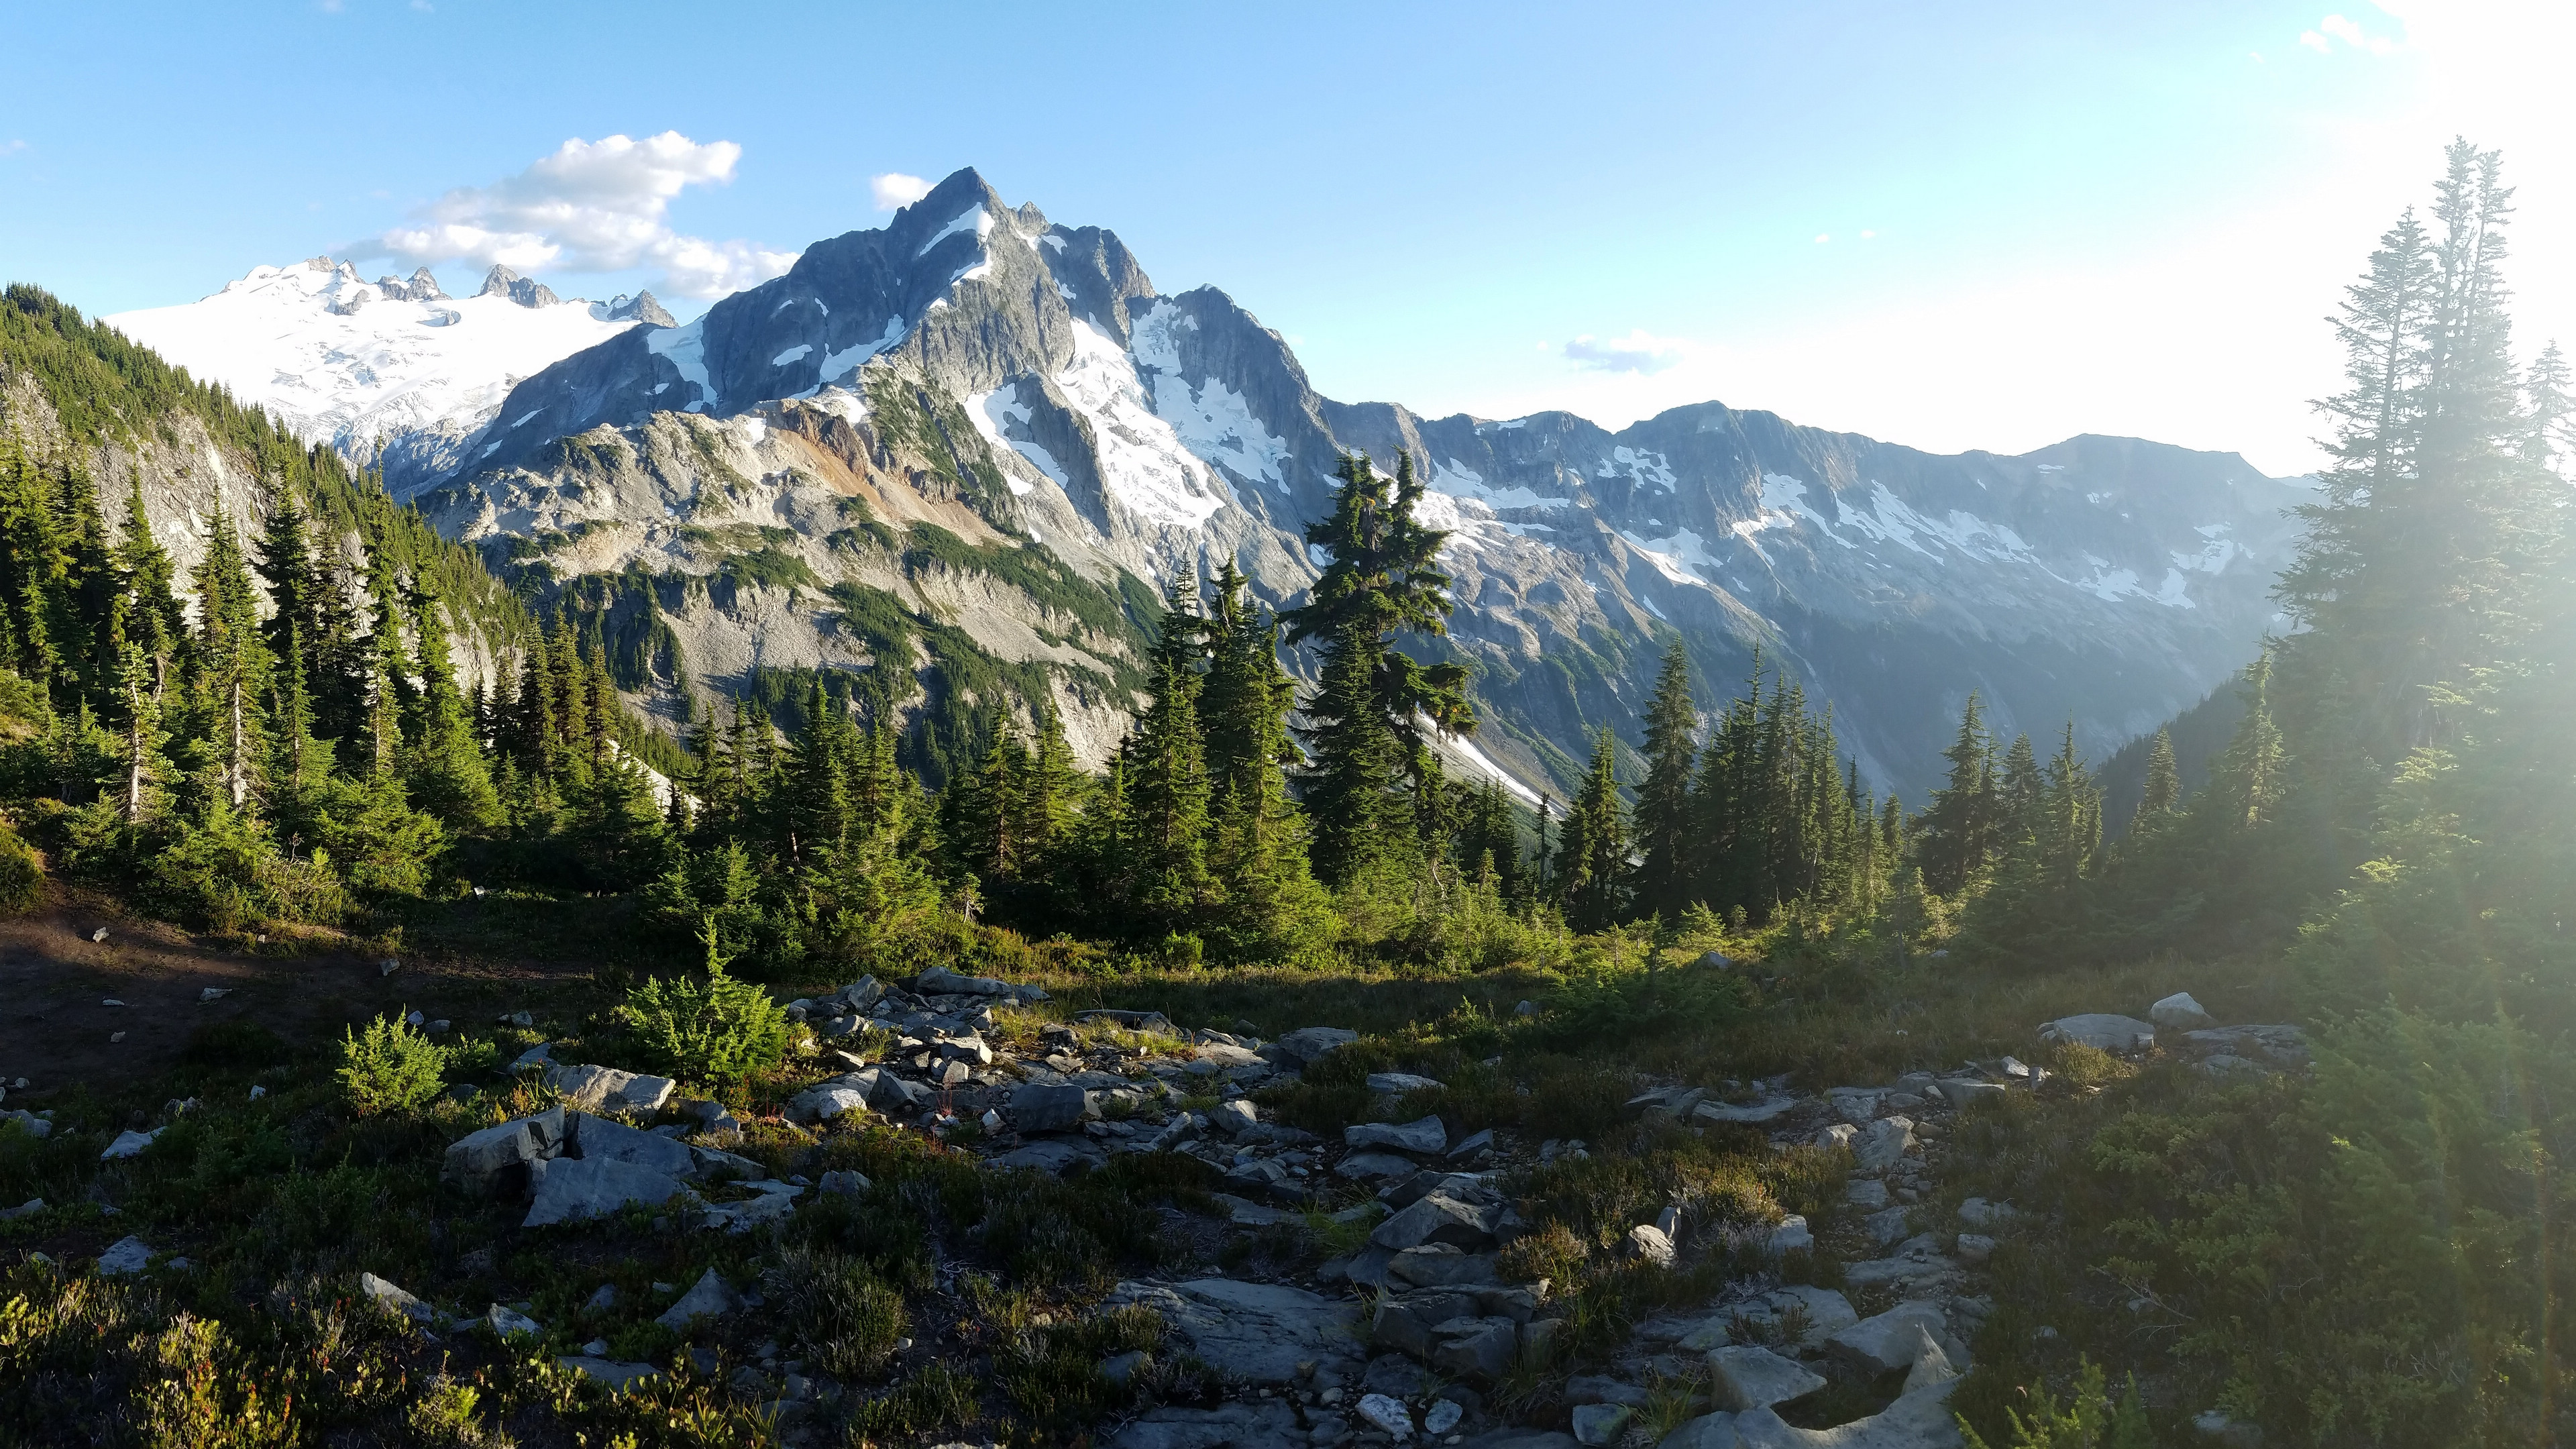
point(1021, 385)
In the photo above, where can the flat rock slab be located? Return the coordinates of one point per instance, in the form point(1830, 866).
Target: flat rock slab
point(571, 1189)
point(1256, 1424)
point(1255, 1331)
point(609, 1371)
point(1366, 1165)
point(1752, 1113)
point(1038, 1107)
point(599, 1139)
point(125, 1255)
point(1399, 1083)
point(606, 1089)
point(1436, 1218)
point(394, 1300)
point(1745, 1376)
point(1424, 1135)
point(1308, 1045)
point(1054, 1159)
point(2102, 1031)
point(1919, 1419)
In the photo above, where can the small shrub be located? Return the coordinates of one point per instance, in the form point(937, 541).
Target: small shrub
point(935, 1399)
point(22, 874)
point(393, 1068)
point(713, 1030)
point(2090, 1421)
point(709, 1030)
point(846, 1317)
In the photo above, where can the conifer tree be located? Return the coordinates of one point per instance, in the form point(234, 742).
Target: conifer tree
point(1594, 876)
point(2164, 782)
point(1665, 810)
point(1954, 836)
point(1375, 702)
point(232, 669)
point(444, 769)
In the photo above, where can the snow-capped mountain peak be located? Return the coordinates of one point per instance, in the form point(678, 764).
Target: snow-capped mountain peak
point(393, 368)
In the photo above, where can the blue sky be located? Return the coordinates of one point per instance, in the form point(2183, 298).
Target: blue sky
point(1953, 226)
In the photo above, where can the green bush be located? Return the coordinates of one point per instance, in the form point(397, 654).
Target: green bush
point(2091, 1420)
point(390, 1069)
point(22, 874)
point(708, 1030)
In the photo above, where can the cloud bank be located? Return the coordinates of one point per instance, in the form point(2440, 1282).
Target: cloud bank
point(592, 206)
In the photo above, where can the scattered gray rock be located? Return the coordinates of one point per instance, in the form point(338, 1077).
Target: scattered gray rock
point(773, 1202)
point(1479, 1347)
point(1245, 1424)
point(1789, 1235)
point(1042, 1107)
point(1233, 1119)
point(497, 1161)
point(213, 993)
point(1817, 1314)
point(2272, 1046)
point(1308, 1045)
point(2179, 1012)
point(1964, 1091)
point(2102, 1031)
point(1442, 1417)
point(1867, 1193)
point(1600, 1424)
point(1751, 1113)
point(1440, 1267)
point(1387, 1415)
point(1749, 1377)
point(395, 1300)
point(606, 1089)
point(828, 1102)
point(602, 1301)
point(1894, 1340)
point(127, 1144)
point(710, 1298)
point(126, 1255)
point(1975, 1248)
point(1889, 1226)
point(573, 1189)
point(1366, 1165)
point(40, 1128)
point(508, 1322)
point(610, 1372)
point(1260, 1332)
point(1436, 1218)
point(1054, 1158)
point(1478, 1141)
point(845, 1182)
point(1399, 1083)
point(1987, 1216)
point(1425, 1135)
point(1708, 1431)
point(1649, 1244)
point(1883, 1144)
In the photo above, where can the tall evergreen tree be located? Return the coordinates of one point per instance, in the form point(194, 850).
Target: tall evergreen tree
point(1955, 835)
point(1376, 703)
point(1594, 877)
point(1666, 813)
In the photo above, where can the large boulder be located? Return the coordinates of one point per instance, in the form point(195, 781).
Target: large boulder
point(1745, 1376)
point(1260, 1332)
point(1039, 1107)
point(2179, 1012)
point(828, 1102)
point(606, 1089)
point(709, 1298)
point(599, 1139)
point(1893, 1340)
point(1475, 1347)
point(572, 1189)
point(1436, 1218)
point(1425, 1136)
point(1308, 1045)
point(940, 981)
point(495, 1161)
point(2100, 1030)
point(1883, 1143)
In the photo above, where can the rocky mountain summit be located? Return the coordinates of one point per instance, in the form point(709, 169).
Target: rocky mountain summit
point(978, 354)
point(1021, 384)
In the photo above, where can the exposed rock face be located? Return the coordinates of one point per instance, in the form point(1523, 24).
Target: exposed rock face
point(527, 292)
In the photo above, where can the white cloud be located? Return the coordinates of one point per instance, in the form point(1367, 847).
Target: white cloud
point(2348, 31)
point(1823, 237)
point(895, 189)
point(1639, 352)
point(12, 147)
point(592, 206)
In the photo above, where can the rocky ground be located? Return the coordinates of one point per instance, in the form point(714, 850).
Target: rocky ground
point(1421, 1324)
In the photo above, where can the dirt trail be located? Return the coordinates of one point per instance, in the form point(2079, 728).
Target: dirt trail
point(55, 1031)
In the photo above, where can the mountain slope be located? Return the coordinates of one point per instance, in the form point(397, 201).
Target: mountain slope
point(1018, 382)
